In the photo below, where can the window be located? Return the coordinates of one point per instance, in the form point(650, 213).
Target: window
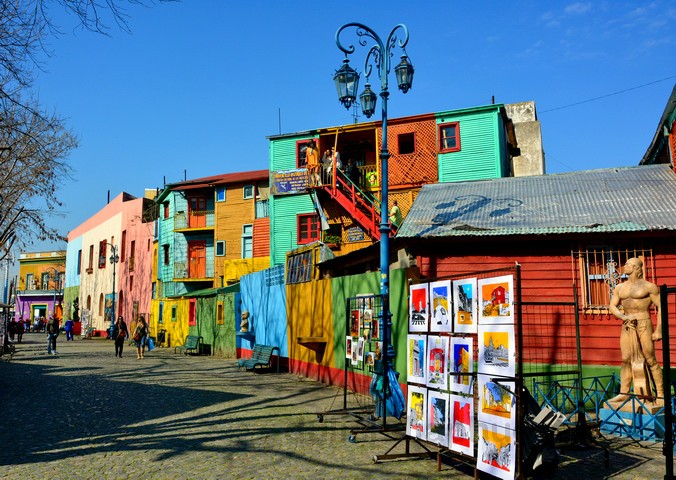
point(90, 268)
point(248, 192)
point(247, 241)
point(173, 313)
point(220, 248)
point(165, 209)
point(308, 228)
point(102, 253)
point(220, 318)
point(301, 158)
point(165, 254)
point(406, 143)
point(601, 268)
point(123, 249)
point(220, 194)
point(300, 267)
point(449, 137)
point(132, 255)
point(79, 262)
point(44, 281)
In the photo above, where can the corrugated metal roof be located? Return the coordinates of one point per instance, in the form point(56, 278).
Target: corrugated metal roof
point(626, 199)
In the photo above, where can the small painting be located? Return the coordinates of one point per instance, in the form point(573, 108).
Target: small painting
point(418, 308)
point(495, 300)
point(416, 358)
point(440, 296)
point(355, 322)
point(465, 305)
point(360, 349)
point(462, 364)
point(497, 451)
point(462, 424)
point(437, 362)
point(497, 402)
point(416, 419)
point(497, 350)
point(348, 347)
point(370, 359)
point(437, 417)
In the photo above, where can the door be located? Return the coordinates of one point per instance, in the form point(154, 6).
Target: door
point(197, 258)
point(197, 213)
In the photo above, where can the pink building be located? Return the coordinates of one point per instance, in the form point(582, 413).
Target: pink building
point(111, 252)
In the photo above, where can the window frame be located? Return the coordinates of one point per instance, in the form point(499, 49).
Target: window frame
point(247, 236)
point(443, 126)
point(301, 157)
point(221, 194)
point(314, 234)
point(220, 244)
point(405, 135)
point(250, 195)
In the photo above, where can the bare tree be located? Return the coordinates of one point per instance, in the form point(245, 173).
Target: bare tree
point(35, 144)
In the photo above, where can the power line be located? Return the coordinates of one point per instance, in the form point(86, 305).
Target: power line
point(608, 95)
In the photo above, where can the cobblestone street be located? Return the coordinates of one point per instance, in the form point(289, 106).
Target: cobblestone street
point(87, 414)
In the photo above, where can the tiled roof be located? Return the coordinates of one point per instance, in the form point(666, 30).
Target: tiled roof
point(625, 199)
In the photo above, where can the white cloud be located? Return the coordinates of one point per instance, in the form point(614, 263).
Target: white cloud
point(577, 8)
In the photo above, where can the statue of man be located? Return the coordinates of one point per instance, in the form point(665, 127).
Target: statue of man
point(637, 338)
point(244, 325)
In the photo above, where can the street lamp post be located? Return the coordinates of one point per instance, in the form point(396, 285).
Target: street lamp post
point(56, 277)
point(347, 82)
point(114, 259)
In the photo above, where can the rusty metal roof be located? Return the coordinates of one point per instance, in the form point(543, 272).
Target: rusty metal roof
point(625, 199)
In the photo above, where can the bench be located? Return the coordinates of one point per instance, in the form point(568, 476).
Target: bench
point(191, 344)
point(260, 357)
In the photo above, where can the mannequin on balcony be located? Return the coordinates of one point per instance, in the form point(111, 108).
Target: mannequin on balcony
point(312, 159)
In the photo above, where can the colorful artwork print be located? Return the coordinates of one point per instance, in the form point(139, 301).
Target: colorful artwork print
point(367, 317)
point(370, 359)
point(360, 349)
point(465, 305)
point(497, 451)
point(355, 322)
point(496, 350)
point(495, 300)
point(416, 424)
point(462, 361)
point(462, 424)
point(497, 402)
point(416, 358)
point(437, 417)
point(417, 308)
point(437, 362)
point(348, 347)
point(440, 300)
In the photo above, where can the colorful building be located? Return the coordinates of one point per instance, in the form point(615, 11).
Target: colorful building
point(40, 286)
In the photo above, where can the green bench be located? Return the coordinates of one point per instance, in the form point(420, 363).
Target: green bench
point(260, 357)
point(191, 344)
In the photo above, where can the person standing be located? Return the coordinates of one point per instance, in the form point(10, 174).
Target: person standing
point(395, 215)
point(20, 326)
point(140, 337)
point(637, 338)
point(312, 159)
point(52, 333)
point(68, 328)
point(120, 334)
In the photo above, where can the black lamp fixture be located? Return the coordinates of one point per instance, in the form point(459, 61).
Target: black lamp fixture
point(347, 83)
point(404, 72)
point(368, 101)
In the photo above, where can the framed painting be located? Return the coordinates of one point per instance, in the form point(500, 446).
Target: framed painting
point(497, 402)
point(437, 362)
point(418, 305)
point(416, 419)
point(348, 347)
point(496, 303)
point(497, 451)
point(497, 350)
point(462, 424)
point(437, 417)
point(416, 358)
point(355, 322)
point(462, 364)
point(440, 306)
point(465, 312)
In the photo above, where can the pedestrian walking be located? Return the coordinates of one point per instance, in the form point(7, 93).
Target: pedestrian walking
point(20, 326)
point(11, 327)
point(52, 333)
point(140, 337)
point(120, 333)
point(68, 328)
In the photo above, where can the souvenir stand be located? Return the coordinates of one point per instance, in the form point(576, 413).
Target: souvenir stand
point(366, 358)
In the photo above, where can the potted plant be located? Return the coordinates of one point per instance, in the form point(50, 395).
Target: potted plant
point(332, 241)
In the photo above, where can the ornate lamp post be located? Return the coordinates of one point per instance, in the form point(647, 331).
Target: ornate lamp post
point(347, 83)
point(114, 259)
point(57, 278)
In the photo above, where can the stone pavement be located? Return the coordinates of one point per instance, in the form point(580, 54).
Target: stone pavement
point(86, 414)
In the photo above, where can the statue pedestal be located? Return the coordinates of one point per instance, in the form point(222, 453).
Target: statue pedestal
point(634, 419)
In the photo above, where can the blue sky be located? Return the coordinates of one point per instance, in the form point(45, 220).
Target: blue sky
point(197, 86)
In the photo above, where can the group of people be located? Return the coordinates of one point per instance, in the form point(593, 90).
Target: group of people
point(141, 336)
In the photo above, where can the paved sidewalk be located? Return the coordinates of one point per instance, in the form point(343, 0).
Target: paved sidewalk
point(86, 414)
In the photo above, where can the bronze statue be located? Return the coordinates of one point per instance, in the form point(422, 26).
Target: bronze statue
point(639, 364)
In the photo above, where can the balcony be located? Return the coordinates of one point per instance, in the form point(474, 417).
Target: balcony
point(194, 220)
point(196, 273)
